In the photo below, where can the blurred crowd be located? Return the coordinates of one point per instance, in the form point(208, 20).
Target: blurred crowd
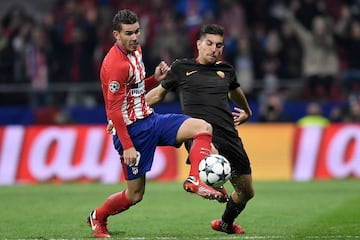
point(282, 50)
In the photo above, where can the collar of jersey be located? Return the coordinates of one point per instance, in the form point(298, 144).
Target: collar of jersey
point(121, 50)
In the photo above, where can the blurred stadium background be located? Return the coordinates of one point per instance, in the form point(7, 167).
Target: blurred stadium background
point(51, 110)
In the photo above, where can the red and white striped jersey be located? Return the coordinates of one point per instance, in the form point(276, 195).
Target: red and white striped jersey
point(123, 85)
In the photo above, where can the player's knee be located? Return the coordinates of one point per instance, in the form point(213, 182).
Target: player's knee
point(209, 128)
point(204, 127)
point(137, 200)
point(245, 194)
point(135, 197)
point(249, 194)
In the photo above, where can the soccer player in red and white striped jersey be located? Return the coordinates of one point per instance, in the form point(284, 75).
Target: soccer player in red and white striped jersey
point(138, 128)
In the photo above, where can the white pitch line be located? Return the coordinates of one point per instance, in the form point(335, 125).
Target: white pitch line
point(251, 237)
point(220, 238)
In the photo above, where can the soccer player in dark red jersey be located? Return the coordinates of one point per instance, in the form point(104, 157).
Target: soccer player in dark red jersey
point(204, 85)
point(138, 128)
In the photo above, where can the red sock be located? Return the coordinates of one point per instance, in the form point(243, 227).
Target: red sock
point(114, 204)
point(200, 148)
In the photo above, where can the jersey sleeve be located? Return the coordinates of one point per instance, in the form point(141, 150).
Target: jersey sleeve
point(171, 81)
point(115, 95)
point(150, 83)
point(233, 80)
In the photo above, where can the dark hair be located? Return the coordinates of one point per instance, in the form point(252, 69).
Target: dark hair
point(124, 16)
point(211, 29)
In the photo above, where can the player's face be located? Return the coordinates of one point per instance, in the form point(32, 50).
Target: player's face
point(210, 48)
point(128, 37)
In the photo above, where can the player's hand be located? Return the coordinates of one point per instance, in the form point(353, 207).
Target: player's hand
point(110, 128)
point(131, 157)
point(240, 116)
point(161, 71)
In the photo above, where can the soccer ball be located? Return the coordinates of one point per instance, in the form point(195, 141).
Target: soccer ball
point(214, 170)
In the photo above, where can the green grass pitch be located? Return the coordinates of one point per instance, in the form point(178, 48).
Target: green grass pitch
point(280, 210)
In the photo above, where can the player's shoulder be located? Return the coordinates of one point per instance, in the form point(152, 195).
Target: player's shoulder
point(180, 62)
point(117, 58)
point(224, 65)
point(114, 64)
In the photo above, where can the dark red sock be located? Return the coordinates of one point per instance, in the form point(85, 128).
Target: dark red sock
point(200, 148)
point(114, 204)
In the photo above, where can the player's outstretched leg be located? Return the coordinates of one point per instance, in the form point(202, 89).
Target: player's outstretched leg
point(194, 185)
point(199, 150)
point(225, 197)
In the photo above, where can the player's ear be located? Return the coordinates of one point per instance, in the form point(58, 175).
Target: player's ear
point(221, 50)
point(116, 34)
point(198, 43)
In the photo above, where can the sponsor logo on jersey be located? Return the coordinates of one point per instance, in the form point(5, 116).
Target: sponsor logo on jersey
point(137, 89)
point(137, 92)
point(220, 74)
point(188, 73)
point(114, 86)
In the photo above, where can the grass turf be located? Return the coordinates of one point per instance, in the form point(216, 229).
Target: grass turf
point(280, 210)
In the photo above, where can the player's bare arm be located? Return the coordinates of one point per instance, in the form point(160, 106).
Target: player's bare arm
point(242, 114)
point(155, 95)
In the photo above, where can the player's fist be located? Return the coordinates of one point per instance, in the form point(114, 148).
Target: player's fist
point(161, 71)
